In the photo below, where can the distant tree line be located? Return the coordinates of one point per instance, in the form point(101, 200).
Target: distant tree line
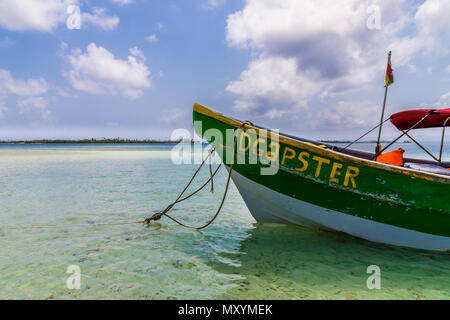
point(104, 140)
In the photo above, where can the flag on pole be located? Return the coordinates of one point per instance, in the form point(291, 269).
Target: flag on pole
point(389, 80)
point(389, 72)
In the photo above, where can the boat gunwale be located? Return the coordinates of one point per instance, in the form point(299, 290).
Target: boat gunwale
point(336, 155)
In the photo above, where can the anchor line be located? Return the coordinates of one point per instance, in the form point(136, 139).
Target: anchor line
point(119, 223)
point(180, 198)
point(158, 215)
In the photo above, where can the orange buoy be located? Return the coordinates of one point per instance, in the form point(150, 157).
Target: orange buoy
point(392, 157)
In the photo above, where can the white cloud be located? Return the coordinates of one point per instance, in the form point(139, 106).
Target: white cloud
point(29, 107)
point(152, 38)
point(448, 69)
point(30, 92)
point(98, 72)
point(122, 2)
point(65, 92)
point(272, 86)
point(136, 52)
point(215, 3)
point(47, 15)
point(99, 19)
point(433, 24)
point(444, 101)
point(39, 15)
point(174, 115)
point(28, 87)
point(354, 114)
point(306, 48)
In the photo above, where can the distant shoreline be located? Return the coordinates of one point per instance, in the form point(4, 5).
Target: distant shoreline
point(143, 141)
point(88, 141)
point(344, 141)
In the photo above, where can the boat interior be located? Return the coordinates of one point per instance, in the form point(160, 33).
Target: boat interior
point(424, 165)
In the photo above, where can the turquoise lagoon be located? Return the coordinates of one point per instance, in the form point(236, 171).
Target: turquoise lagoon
point(73, 188)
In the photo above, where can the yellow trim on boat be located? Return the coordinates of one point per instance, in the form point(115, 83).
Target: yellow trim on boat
point(322, 151)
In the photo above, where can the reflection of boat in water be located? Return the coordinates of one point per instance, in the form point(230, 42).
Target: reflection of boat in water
point(277, 261)
point(327, 187)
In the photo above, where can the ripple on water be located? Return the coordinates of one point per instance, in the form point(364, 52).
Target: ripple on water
point(70, 185)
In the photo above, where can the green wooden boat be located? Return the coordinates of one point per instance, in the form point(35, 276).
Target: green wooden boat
point(321, 186)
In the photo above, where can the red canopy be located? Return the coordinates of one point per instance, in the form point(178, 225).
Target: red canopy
point(406, 119)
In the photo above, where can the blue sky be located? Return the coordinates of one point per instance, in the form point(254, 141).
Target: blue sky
point(135, 67)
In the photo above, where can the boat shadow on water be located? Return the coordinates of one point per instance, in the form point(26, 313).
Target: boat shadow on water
point(288, 262)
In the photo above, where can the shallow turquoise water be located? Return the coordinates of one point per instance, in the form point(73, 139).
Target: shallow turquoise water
point(74, 187)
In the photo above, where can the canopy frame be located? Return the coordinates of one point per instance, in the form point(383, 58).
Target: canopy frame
point(423, 148)
point(442, 139)
point(406, 133)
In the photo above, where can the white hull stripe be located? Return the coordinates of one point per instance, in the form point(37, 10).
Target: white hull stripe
point(267, 205)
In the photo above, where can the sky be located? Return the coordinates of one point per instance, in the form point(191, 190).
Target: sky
point(134, 68)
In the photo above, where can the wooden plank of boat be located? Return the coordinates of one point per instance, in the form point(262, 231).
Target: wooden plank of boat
point(318, 187)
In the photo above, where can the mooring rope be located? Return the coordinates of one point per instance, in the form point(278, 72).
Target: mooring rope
point(129, 222)
point(158, 215)
point(211, 175)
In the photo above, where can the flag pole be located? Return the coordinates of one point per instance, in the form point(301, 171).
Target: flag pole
point(378, 147)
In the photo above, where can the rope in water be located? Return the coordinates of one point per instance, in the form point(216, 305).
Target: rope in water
point(139, 221)
point(158, 215)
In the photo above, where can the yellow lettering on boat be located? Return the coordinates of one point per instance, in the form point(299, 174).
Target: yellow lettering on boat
point(320, 161)
point(350, 175)
point(304, 162)
point(256, 151)
point(273, 156)
point(335, 172)
point(285, 156)
point(244, 147)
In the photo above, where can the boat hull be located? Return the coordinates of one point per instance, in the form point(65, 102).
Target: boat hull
point(318, 187)
point(267, 205)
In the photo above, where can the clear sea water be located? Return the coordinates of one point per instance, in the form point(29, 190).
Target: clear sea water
point(75, 187)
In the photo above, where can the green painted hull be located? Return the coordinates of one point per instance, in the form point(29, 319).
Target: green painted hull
point(364, 189)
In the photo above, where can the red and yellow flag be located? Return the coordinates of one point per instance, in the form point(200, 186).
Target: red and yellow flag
point(389, 72)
